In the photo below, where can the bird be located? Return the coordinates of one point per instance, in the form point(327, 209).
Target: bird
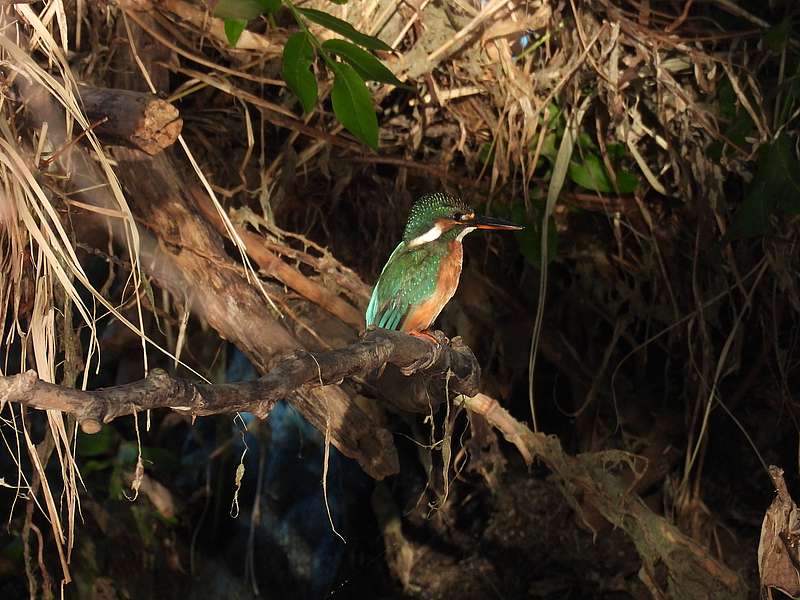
point(422, 273)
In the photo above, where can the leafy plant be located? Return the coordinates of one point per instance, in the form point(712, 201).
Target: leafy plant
point(590, 173)
point(529, 239)
point(237, 13)
point(298, 61)
point(369, 67)
point(352, 104)
point(341, 27)
point(350, 97)
point(244, 10)
point(775, 188)
point(586, 168)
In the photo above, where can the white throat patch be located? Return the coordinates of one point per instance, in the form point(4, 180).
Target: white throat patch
point(432, 234)
point(465, 232)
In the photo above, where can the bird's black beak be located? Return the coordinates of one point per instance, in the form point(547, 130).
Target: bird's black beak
point(481, 222)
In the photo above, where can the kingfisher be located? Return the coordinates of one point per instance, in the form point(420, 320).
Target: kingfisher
point(422, 273)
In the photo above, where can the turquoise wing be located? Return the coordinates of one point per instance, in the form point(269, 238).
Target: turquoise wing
point(403, 283)
point(374, 302)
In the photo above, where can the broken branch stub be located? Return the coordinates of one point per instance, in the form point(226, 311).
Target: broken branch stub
point(135, 119)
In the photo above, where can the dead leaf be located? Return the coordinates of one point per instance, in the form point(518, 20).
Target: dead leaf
point(778, 556)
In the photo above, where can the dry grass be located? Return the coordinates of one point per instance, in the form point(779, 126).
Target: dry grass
point(643, 80)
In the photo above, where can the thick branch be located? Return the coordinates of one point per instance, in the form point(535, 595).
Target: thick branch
point(138, 120)
point(280, 270)
point(135, 119)
point(295, 373)
point(692, 572)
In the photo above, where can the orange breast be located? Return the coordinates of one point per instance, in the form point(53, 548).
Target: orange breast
point(423, 315)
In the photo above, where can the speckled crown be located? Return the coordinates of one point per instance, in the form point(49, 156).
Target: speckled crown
point(430, 207)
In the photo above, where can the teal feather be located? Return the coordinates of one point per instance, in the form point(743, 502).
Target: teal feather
point(429, 208)
point(374, 302)
point(408, 279)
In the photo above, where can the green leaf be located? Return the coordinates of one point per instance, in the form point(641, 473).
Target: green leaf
point(549, 148)
point(115, 489)
point(486, 153)
point(96, 444)
point(244, 9)
point(627, 182)
point(352, 105)
point(14, 550)
point(298, 54)
point(365, 64)
point(340, 2)
point(234, 29)
point(779, 174)
point(343, 28)
point(585, 141)
point(160, 460)
point(775, 187)
point(155, 459)
point(752, 217)
point(739, 124)
point(592, 175)
point(726, 99)
point(616, 152)
point(270, 6)
point(740, 128)
point(790, 90)
point(777, 37)
point(555, 118)
point(95, 466)
point(529, 239)
point(127, 454)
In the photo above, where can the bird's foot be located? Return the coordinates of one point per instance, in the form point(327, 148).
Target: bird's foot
point(437, 338)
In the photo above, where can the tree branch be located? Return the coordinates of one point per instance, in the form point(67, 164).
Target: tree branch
point(280, 270)
point(136, 119)
point(297, 372)
point(692, 572)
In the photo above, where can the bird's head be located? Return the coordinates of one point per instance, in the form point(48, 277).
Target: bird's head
point(446, 217)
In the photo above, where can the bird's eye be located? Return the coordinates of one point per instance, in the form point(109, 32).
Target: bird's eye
point(458, 216)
